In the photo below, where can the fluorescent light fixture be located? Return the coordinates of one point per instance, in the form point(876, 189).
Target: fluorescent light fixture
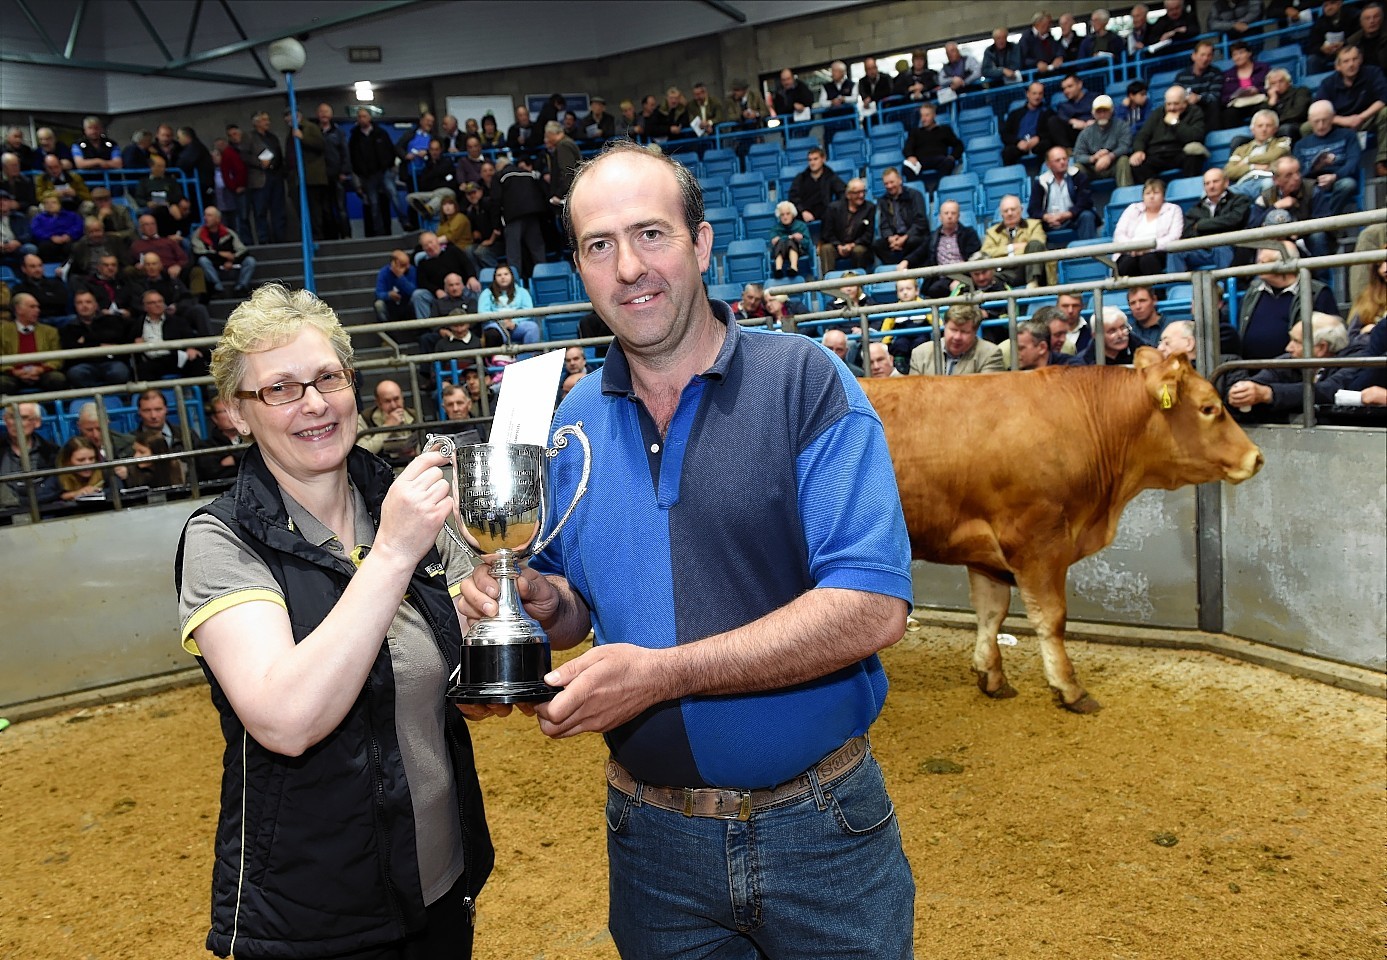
point(364, 93)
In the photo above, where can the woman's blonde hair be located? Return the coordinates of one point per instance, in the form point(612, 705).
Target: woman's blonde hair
point(272, 317)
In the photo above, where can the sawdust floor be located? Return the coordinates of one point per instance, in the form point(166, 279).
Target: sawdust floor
point(1213, 809)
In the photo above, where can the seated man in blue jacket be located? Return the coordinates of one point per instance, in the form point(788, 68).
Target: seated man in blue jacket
point(395, 288)
point(1329, 158)
point(1061, 199)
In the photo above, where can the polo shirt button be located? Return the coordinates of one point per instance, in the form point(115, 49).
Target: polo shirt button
point(654, 448)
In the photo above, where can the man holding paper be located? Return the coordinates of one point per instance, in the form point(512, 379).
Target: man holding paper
point(740, 586)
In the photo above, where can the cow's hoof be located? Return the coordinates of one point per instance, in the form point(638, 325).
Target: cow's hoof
point(1084, 704)
point(1005, 692)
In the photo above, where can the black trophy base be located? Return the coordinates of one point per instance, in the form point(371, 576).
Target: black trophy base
point(503, 673)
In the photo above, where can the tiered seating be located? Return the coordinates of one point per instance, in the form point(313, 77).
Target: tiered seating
point(758, 221)
point(1121, 199)
point(1078, 271)
point(748, 188)
point(725, 222)
point(552, 283)
point(720, 163)
point(962, 187)
point(765, 159)
point(746, 261)
point(849, 145)
point(1000, 181)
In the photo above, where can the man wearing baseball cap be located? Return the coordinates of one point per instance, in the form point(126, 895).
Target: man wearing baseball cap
point(1103, 146)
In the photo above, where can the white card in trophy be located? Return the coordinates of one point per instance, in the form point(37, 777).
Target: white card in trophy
point(529, 391)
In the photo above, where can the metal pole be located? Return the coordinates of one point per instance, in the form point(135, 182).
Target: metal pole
point(103, 421)
point(1100, 340)
point(1307, 344)
point(1011, 332)
point(185, 429)
point(305, 225)
point(1208, 497)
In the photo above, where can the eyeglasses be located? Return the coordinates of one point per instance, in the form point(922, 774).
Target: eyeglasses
point(287, 391)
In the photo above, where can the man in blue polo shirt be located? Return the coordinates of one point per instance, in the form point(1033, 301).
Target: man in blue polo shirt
point(741, 556)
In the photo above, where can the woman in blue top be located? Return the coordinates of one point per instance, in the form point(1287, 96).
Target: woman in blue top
point(505, 294)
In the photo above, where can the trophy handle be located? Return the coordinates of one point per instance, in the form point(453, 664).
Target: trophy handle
point(560, 441)
point(449, 449)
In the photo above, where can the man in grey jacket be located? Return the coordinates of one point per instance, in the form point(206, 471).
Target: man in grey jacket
point(1104, 145)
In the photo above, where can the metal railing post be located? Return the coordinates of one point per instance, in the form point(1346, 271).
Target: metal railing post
point(1307, 344)
point(1208, 497)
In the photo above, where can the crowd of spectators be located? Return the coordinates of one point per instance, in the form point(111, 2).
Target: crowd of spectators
point(92, 269)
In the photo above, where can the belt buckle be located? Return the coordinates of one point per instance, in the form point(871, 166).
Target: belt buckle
point(744, 808)
point(688, 802)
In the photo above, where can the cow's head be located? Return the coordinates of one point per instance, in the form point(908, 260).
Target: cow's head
point(1206, 443)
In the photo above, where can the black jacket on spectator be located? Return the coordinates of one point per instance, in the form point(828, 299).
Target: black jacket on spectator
point(938, 141)
point(106, 328)
point(663, 119)
point(926, 254)
point(1230, 213)
point(903, 82)
point(806, 193)
point(171, 288)
point(49, 292)
point(430, 271)
point(784, 100)
point(106, 292)
point(1035, 48)
point(532, 143)
point(1187, 23)
point(522, 194)
point(910, 206)
point(372, 152)
point(153, 368)
point(195, 158)
point(485, 217)
point(840, 226)
point(877, 91)
point(1011, 128)
point(437, 174)
point(22, 189)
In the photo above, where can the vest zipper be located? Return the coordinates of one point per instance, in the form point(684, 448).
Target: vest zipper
point(455, 751)
point(380, 803)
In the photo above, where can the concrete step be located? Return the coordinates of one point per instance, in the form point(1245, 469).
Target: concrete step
point(367, 261)
point(349, 280)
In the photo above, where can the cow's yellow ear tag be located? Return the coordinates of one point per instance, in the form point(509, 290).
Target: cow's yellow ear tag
point(1166, 400)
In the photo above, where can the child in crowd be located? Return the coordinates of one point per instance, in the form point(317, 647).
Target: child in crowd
point(787, 240)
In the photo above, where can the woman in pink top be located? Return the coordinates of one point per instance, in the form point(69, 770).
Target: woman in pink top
point(1151, 218)
point(1244, 87)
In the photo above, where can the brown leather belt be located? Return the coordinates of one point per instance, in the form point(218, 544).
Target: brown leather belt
point(722, 804)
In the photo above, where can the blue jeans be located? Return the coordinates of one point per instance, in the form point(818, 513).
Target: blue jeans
point(1218, 258)
point(822, 877)
point(245, 270)
point(98, 373)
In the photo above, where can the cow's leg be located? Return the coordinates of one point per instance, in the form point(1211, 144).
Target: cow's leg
point(1042, 590)
point(990, 601)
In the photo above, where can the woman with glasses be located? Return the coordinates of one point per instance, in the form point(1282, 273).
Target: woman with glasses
point(316, 595)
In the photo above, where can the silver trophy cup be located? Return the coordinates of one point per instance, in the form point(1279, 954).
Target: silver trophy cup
point(501, 504)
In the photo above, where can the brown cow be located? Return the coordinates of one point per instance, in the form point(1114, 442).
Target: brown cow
point(1018, 475)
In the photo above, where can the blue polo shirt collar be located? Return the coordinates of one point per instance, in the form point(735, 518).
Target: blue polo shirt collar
point(616, 370)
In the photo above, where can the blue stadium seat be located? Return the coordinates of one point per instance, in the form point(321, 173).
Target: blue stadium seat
point(919, 187)
point(1160, 81)
point(797, 150)
point(1223, 138)
point(783, 180)
point(962, 187)
point(975, 122)
point(758, 221)
point(715, 191)
point(721, 163)
point(983, 154)
point(748, 188)
point(1185, 192)
point(888, 136)
point(1121, 199)
point(1000, 181)
point(765, 159)
point(845, 167)
point(1079, 271)
point(746, 261)
point(1313, 81)
point(724, 221)
point(878, 163)
point(726, 292)
point(560, 326)
point(1288, 57)
point(551, 283)
point(849, 145)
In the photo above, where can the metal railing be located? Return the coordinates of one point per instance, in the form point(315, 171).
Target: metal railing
point(1205, 318)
